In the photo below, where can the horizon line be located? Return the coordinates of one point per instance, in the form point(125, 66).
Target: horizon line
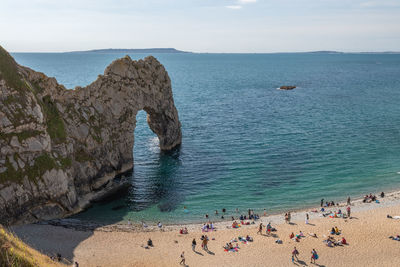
point(192, 52)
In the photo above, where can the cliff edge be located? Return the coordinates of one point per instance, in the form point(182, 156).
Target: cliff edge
point(60, 149)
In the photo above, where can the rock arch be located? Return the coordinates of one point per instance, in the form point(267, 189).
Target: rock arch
point(85, 136)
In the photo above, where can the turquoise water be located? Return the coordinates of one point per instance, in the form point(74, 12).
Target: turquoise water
point(247, 144)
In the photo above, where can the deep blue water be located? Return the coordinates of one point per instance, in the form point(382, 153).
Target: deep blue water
point(247, 144)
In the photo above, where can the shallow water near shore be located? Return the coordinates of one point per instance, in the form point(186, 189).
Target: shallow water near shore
point(248, 145)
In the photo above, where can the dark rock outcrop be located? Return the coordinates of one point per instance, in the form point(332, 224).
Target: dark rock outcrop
point(60, 149)
point(287, 87)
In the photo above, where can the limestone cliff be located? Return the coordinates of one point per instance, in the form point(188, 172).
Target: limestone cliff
point(61, 148)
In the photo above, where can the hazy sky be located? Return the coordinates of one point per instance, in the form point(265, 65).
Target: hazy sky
point(201, 25)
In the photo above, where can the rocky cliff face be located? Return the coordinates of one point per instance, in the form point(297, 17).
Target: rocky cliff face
point(60, 149)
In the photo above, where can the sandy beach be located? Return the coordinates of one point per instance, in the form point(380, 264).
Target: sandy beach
point(366, 232)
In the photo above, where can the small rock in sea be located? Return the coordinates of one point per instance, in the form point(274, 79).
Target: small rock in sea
point(287, 87)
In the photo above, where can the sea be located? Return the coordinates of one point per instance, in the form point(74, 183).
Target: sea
point(248, 145)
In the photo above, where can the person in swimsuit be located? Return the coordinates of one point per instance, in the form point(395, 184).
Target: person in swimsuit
point(314, 256)
point(260, 229)
point(295, 252)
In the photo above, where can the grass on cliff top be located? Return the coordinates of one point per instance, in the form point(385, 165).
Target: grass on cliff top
point(14, 252)
point(9, 72)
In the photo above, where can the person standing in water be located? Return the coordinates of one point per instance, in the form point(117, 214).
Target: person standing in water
point(322, 202)
point(307, 218)
point(348, 201)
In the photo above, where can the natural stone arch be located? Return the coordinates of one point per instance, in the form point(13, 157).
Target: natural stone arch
point(77, 141)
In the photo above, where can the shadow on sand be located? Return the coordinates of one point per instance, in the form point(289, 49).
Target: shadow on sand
point(43, 238)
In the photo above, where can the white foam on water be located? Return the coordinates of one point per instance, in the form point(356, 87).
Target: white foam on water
point(154, 144)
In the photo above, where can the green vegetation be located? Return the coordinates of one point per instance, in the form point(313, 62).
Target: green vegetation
point(97, 134)
point(55, 124)
point(9, 72)
point(14, 252)
point(82, 156)
point(27, 134)
point(42, 164)
point(65, 162)
point(10, 174)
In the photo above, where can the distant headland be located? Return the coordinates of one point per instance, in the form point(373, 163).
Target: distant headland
point(122, 50)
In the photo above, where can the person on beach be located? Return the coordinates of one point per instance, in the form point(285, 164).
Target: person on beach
point(286, 218)
point(382, 195)
point(216, 212)
point(295, 252)
point(260, 228)
point(150, 242)
point(314, 256)
point(159, 226)
point(269, 228)
point(348, 201)
point(322, 202)
point(307, 218)
point(265, 212)
point(183, 258)
point(348, 211)
point(204, 244)
point(194, 244)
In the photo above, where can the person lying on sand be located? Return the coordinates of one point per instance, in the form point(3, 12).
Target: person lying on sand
point(313, 235)
point(249, 238)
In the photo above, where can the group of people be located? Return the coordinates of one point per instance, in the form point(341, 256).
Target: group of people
point(183, 231)
point(268, 229)
point(335, 231)
point(370, 198)
point(229, 247)
point(296, 253)
point(331, 241)
point(251, 214)
point(208, 227)
point(328, 203)
point(296, 237)
point(250, 217)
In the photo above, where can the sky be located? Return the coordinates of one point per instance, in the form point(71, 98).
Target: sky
point(215, 26)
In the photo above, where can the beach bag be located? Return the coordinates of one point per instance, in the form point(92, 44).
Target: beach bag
point(316, 256)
